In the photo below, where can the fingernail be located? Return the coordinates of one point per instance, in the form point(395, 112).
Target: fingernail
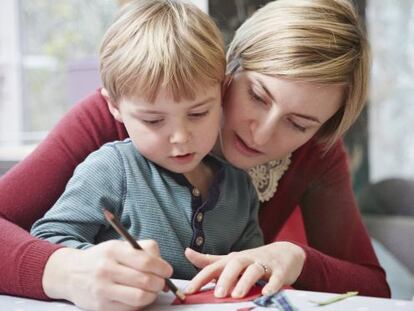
point(268, 292)
point(220, 292)
point(237, 293)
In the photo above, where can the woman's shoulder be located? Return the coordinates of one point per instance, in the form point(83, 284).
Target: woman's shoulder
point(312, 162)
point(89, 119)
point(314, 155)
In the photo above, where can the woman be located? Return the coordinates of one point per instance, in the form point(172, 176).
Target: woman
point(297, 81)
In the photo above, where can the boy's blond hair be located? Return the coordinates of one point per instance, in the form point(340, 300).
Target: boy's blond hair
point(318, 41)
point(160, 43)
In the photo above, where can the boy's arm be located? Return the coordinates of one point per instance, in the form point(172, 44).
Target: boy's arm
point(76, 218)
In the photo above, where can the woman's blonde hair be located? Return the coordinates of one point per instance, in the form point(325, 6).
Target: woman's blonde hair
point(160, 43)
point(319, 41)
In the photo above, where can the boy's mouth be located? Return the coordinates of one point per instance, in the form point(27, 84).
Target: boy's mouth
point(183, 158)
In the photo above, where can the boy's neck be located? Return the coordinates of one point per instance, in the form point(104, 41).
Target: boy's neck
point(201, 177)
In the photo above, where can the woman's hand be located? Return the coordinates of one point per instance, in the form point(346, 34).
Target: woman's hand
point(109, 276)
point(280, 263)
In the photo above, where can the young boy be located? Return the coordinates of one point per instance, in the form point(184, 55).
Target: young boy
point(162, 66)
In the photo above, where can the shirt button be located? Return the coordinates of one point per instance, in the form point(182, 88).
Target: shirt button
point(196, 192)
point(199, 240)
point(200, 217)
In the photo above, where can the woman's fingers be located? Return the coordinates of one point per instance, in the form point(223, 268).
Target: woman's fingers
point(200, 260)
point(251, 275)
point(274, 284)
point(109, 276)
point(143, 261)
point(137, 279)
point(150, 246)
point(205, 276)
point(134, 297)
point(228, 278)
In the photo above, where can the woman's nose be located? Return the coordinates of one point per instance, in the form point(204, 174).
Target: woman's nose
point(264, 129)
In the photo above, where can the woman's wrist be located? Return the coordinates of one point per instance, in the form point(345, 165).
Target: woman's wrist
point(296, 257)
point(55, 275)
point(300, 258)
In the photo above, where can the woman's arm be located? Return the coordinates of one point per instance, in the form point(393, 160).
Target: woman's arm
point(340, 256)
point(32, 187)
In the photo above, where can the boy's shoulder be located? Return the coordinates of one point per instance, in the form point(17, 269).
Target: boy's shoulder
point(125, 145)
point(121, 150)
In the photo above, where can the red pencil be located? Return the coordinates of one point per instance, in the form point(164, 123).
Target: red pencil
point(116, 224)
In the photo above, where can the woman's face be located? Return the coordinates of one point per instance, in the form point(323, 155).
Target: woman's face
point(266, 118)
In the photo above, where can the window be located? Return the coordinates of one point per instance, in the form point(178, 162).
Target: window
point(391, 109)
point(48, 61)
point(44, 46)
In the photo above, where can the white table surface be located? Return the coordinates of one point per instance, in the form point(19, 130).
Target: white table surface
point(300, 299)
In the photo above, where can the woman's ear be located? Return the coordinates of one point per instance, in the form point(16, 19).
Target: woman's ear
point(225, 85)
point(112, 105)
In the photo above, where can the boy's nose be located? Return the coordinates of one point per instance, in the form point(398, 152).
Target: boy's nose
point(180, 135)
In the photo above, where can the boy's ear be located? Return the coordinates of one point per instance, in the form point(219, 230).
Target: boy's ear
point(112, 106)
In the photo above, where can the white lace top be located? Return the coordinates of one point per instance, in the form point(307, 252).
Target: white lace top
point(265, 177)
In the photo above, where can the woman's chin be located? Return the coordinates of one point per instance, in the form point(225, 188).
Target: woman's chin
point(238, 160)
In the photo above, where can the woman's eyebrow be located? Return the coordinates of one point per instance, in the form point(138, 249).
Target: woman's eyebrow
point(263, 86)
point(310, 118)
point(307, 117)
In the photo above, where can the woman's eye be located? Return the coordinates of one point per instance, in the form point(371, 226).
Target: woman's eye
point(199, 114)
point(254, 96)
point(297, 126)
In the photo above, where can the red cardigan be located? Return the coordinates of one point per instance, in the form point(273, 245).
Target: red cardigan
point(339, 256)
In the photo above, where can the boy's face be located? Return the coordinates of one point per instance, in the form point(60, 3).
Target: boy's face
point(174, 135)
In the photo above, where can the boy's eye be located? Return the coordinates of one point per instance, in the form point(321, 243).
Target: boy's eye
point(199, 114)
point(152, 122)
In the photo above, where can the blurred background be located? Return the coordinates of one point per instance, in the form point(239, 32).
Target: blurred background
point(48, 61)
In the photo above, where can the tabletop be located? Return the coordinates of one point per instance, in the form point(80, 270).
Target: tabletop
point(301, 300)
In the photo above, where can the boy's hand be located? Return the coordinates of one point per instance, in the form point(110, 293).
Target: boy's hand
point(279, 263)
point(109, 276)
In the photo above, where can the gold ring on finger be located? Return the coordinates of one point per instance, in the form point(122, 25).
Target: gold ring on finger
point(265, 268)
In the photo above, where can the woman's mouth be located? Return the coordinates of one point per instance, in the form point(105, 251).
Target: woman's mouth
point(244, 149)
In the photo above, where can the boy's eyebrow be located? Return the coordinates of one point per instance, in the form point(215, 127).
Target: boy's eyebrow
point(149, 111)
point(310, 118)
point(203, 102)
